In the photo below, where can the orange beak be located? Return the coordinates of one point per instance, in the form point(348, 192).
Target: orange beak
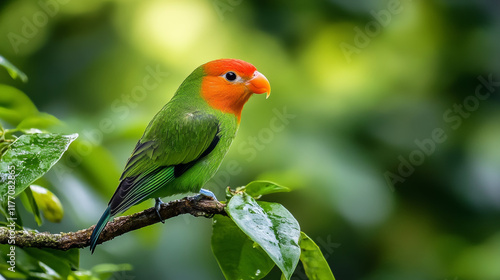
point(259, 84)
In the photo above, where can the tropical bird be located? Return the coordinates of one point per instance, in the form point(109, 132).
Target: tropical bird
point(186, 141)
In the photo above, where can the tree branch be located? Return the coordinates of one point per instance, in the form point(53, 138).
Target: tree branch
point(196, 206)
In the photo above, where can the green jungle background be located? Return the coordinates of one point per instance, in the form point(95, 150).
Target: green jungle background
point(384, 118)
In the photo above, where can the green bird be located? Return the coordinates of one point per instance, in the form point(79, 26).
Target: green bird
point(185, 143)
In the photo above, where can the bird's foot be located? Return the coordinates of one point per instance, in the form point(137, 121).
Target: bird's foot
point(158, 204)
point(206, 193)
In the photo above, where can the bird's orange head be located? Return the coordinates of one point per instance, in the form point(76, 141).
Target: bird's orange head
point(229, 83)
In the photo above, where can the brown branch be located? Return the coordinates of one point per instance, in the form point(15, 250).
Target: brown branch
point(196, 206)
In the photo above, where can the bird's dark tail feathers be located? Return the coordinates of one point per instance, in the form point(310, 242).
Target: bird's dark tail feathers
point(98, 229)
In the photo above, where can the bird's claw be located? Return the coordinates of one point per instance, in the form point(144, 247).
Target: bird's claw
point(158, 204)
point(204, 194)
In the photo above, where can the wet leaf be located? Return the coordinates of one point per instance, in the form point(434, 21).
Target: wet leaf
point(314, 262)
point(238, 256)
point(28, 158)
point(257, 189)
point(271, 226)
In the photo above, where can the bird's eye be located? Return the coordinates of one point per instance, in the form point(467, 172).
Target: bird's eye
point(230, 76)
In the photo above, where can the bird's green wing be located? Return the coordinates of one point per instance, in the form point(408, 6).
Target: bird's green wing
point(168, 148)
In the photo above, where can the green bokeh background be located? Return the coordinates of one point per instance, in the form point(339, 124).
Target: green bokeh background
point(359, 88)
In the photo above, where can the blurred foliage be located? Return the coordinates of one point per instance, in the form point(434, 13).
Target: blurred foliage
point(359, 89)
point(26, 155)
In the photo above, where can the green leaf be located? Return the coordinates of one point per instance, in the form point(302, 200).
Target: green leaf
point(5, 272)
point(59, 261)
point(238, 256)
point(271, 226)
point(71, 256)
point(314, 262)
point(30, 157)
point(14, 72)
point(48, 202)
point(15, 105)
point(257, 189)
point(30, 204)
point(49, 273)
